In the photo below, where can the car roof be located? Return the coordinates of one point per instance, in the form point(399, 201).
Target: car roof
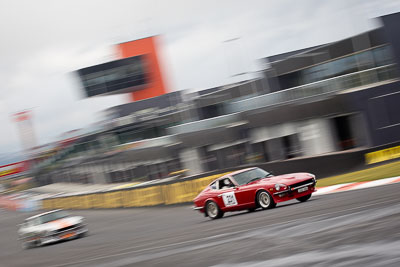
point(41, 214)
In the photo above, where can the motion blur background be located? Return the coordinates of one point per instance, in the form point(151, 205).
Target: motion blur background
point(107, 106)
point(142, 92)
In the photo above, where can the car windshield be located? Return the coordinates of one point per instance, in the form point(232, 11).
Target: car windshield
point(53, 216)
point(250, 175)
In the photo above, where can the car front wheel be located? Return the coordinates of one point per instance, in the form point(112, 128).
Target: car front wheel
point(83, 234)
point(264, 200)
point(304, 198)
point(213, 211)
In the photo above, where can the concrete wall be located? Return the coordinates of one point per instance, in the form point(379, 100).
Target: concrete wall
point(315, 136)
point(392, 33)
point(270, 132)
point(359, 130)
point(191, 160)
point(380, 109)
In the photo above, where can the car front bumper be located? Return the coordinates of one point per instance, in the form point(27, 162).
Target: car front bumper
point(64, 235)
point(199, 209)
point(296, 192)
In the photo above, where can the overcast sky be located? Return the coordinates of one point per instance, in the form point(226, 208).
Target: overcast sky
point(43, 42)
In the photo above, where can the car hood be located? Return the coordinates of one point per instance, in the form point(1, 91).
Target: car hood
point(57, 224)
point(287, 179)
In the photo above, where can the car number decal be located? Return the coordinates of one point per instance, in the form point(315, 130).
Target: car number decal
point(229, 199)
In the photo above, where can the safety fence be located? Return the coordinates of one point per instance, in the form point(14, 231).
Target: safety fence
point(164, 194)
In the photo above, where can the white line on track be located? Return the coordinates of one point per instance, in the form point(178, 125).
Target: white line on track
point(324, 190)
point(353, 186)
point(376, 183)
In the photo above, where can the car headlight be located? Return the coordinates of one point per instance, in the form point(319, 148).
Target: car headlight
point(313, 177)
point(280, 186)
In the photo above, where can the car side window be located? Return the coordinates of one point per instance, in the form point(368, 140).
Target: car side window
point(213, 186)
point(225, 183)
point(33, 222)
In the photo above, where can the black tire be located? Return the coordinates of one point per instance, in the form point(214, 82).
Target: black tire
point(264, 200)
point(26, 245)
point(304, 198)
point(38, 243)
point(213, 211)
point(84, 234)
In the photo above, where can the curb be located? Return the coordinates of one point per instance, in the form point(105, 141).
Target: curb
point(356, 185)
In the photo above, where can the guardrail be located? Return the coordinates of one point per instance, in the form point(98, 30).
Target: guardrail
point(204, 124)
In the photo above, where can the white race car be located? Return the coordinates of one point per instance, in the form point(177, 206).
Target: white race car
point(51, 227)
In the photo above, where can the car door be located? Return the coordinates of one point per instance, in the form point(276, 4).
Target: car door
point(225, 196)
point(232, 198)
point(245, 194)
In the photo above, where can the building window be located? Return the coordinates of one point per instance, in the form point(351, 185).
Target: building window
point(376, 57)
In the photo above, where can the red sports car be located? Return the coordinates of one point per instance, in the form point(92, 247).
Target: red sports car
point(251, 189)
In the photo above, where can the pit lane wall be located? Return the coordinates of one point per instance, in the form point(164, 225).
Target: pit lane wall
point(165, 194)
point(184, 191)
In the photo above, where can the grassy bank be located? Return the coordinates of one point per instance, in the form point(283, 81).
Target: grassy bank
point(370, 174)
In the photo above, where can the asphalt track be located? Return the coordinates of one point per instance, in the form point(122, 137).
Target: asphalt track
point(354, 228)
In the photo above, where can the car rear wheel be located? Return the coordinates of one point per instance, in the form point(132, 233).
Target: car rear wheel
point(26, 245)
point(38, 243)
point(213, 211)
point(264, 200)
point(304, 198)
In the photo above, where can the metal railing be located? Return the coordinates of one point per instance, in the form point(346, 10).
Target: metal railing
point(204, 124)
point(324, 87)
